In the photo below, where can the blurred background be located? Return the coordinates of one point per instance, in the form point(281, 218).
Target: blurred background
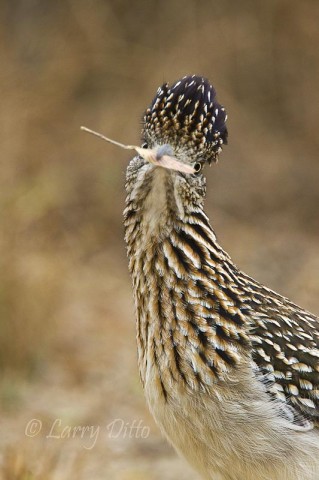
point(67, 332)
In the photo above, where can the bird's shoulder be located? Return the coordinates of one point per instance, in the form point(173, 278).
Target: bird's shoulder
point(285, 348)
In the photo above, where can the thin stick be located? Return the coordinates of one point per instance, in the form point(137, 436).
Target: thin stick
point(118, 144)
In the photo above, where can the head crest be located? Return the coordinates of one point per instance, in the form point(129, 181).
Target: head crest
point(187, 116)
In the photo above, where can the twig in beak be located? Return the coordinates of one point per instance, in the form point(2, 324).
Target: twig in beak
point(151, 155)
point(118, 144)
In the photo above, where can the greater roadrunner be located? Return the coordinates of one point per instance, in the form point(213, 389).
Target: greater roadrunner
point(229, 367)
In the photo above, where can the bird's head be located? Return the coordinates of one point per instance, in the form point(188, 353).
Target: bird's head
point(184, 129)
point(185, 121)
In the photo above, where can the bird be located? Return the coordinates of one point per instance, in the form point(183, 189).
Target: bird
point(229, 367)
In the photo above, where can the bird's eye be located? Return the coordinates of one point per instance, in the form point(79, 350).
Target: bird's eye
point(197, 167)
point(144, 145)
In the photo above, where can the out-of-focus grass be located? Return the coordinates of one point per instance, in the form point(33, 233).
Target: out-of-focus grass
point(23, 463)
point(67, 347)
point(29, 294)
point(16, 466)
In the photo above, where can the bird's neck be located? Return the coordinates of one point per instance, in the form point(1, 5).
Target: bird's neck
point(181, 279)
point(159, 223)
point(169, 249)
point(157, 205)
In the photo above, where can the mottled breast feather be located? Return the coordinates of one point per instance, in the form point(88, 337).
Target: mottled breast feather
point(187, 114)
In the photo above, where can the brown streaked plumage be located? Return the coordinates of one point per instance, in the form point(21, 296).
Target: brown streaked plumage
point(230, 368)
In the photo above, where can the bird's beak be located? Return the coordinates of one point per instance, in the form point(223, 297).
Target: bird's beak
point(152, 155)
